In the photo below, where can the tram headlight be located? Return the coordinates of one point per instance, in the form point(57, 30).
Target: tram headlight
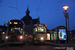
point(42, 38)
point(6, 37)
point(21, 37)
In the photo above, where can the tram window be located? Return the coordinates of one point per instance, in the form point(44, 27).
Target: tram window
point(10, 22)
point(41, 29)
point(35, 29)
point(15, 22)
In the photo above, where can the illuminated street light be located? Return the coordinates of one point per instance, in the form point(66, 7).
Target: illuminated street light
point(66, 16)
point(65, 8)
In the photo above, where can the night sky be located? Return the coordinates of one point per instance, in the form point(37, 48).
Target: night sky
point(50, 12)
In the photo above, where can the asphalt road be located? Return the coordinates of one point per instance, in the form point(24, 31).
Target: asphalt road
point(28, 46)
point(31, 46)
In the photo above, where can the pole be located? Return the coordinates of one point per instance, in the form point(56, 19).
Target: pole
point(66, 28)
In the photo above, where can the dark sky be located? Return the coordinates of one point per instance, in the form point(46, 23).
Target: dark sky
point(49, 11)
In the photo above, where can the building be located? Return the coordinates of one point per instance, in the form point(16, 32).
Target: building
point(29, 22)
point(72, 35)
point(2, 29)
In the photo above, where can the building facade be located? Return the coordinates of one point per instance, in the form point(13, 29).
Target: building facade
point(29, 22)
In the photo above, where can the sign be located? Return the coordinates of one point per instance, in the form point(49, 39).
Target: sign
point(65, 14)
point(62, 34)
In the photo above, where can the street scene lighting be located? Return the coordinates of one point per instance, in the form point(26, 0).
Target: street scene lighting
point(65, 8)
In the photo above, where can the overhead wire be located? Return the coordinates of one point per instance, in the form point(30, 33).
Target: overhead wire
point(40, 3)
point(17, 9)
point(38, 7)
point(8, 6)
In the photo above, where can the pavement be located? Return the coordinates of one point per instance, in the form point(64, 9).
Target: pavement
point(70, 44)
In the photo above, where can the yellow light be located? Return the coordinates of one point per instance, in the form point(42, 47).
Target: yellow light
point(36, 29)
point(3, 33)
point(42, 29)
point(15, 22)
point(65, 7)
point(10, 22)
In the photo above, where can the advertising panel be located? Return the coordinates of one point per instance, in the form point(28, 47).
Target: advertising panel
point(62, 34)
point(48, 36)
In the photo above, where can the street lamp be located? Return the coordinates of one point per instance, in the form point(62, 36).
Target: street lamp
point(66, 16)
point(65, 8)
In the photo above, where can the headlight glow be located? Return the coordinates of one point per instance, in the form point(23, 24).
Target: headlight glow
point(6, 37)
point(21, 37)
point(42, 38)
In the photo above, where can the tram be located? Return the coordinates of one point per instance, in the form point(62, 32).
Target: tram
point(2, 35)
point(39, 33)
point(15, 32)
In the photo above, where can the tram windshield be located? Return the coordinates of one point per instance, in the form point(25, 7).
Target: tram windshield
point(40, 29)
point(15, 26)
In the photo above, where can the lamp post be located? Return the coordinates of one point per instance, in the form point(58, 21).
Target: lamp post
point(66, 16)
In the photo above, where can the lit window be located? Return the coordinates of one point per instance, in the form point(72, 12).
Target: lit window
point(42, 29)
point(15, 22)
point(10, 22)
point(36, 29)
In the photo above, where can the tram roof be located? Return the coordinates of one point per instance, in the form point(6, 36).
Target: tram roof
point(58, 27)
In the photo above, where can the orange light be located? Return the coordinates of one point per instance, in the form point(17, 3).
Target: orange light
point(30, 35)
point(45, 25)
point(65, 7)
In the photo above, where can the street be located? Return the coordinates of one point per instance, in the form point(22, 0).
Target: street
point(28, 46)
point(31, 46)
